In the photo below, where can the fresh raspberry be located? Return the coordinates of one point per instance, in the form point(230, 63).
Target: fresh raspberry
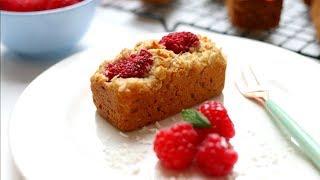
point(34, 5)
point(219, 119)
point(216, 156)
point(180, 42)
point(53, 4)
point(176, 146)
point(22, 5)
point(136, 65)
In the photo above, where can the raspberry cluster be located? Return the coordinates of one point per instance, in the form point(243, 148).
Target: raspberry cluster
point(176, 146)
point(180, 42)
point(219, 119)
point(204, 141)
point(136, 65)
point(216, 156)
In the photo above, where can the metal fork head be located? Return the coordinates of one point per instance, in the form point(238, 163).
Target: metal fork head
point(250, 87)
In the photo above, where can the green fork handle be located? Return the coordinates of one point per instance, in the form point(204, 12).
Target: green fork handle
point(308, 145)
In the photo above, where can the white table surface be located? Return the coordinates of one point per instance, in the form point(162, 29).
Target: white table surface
point(17, 72)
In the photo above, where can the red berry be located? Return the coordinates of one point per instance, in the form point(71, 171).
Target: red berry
point(216, 156)
point(34, 5)
point(176, 146)
point(137, 65)
point(180, 42)
point(22, 5)
point(219, 119)
point(53, 4)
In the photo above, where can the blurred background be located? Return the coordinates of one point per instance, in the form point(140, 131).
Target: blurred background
point(295, 31)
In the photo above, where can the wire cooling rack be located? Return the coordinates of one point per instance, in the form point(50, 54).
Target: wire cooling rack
point(295, 31)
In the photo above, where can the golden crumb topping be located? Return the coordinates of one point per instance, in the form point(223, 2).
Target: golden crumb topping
point(165, 62)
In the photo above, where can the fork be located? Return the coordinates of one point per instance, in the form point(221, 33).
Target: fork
point(251, 88)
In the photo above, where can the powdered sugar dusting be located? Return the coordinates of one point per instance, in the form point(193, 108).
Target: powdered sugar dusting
point(131, 151)
point(123, 156)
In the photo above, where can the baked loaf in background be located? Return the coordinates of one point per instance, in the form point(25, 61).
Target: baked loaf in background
point(254, 14)
point(174, 82)
point(308, 2)
point(315, 15)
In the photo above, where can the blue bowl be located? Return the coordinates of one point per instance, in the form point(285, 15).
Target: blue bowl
point(48, 31)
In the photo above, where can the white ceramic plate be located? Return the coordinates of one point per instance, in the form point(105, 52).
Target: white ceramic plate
point(55, 132)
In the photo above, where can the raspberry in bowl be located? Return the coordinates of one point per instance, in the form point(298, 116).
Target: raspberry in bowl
point(41, 27)
point(35, 5)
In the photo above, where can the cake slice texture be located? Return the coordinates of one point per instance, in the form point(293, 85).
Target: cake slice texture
point(174, 82)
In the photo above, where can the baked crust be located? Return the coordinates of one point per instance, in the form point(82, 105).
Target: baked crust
point(254, 14)
point(315, 15)
point(175, 81)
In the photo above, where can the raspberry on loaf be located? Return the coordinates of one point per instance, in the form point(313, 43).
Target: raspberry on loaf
point(254, 14)
point(157, 79)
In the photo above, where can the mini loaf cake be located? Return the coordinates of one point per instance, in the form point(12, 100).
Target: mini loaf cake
point(315, 15)
point(157, 79)
point(255, 14)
